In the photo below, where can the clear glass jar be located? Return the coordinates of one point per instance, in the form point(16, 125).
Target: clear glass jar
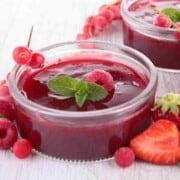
point(87, 135)
point(158, 43)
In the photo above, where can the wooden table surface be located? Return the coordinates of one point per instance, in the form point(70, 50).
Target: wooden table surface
point(56, 21)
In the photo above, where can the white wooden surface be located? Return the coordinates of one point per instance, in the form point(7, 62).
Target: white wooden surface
point(55, 21)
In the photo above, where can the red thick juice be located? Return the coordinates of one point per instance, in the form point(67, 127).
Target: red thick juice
point(88, 137)
point(159, 44)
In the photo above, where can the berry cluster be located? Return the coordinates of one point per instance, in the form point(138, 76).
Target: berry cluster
point(8, 132)
point(167, 18)
point(24, 55)
point(97, 23)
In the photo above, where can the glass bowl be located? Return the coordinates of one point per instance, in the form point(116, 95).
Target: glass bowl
point(158, 43)
point(88, 135)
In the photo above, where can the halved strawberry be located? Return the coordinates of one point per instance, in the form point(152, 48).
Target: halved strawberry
point(159, 144)
point(167, 107)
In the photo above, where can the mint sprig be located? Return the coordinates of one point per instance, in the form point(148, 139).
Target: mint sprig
point(81, 90)
point(172, 13)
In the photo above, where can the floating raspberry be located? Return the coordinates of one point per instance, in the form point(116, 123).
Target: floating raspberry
point(8, 133)
point(22, 148)
point(124, 157)
point(101, 77)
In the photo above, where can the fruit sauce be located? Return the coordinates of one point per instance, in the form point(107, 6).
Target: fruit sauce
point(82, 138)
point(162, 49)
point(128, 84)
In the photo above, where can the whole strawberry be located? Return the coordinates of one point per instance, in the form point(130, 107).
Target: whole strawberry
point(167, 107)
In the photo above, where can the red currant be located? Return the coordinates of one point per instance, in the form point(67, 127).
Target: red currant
point(83, 36)
point(37, 60)
point(22, 55)
point(22, 148)
point(124, 157)
point(100, 22)
point(108, 14)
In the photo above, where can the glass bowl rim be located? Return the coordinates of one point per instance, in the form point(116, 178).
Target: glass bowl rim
point(14, 91)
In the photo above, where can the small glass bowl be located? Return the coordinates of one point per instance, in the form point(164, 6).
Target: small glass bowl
point(157, 43)
point(91, 135)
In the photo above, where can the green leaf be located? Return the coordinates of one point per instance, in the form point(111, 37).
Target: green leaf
point(63, 85)
point(96, 92)
point(67, 86)
point(80, 97)
point(172, 13)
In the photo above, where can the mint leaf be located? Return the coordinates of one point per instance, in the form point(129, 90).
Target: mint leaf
point(172, 13)
point(63, 85)
point(96, 92)
point(80, 97)
point(1, 115)
point(81, 90)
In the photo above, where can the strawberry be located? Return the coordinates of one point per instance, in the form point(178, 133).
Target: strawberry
point(167, 107)
point(159, 144)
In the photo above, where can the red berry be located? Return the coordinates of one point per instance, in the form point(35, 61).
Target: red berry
point(89, 19)
point(37, 60)
point(108, 14)
point(124, 156)
point(8, 133)
point(103, 7)
point(22, 148)
point(6, 110)
point(82, 36)
point(22, 55)
point(161, 21)
point(100, 22)
point(101, 77)
point(88, 29)
point(177, 32)
point(116, 10)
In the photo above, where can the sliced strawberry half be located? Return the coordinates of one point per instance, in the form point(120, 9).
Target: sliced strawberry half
point(159, 144)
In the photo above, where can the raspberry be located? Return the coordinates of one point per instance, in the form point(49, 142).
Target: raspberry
point(37, 60)
point(4, 93)
point(161, 21)
point(124, 157)
point(22, 148)
point(101, 77)
point(6, 110)
point(8, 133)
point(22, 55)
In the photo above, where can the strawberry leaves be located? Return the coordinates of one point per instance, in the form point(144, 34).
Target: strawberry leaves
point(71, 87)
point(169, 102)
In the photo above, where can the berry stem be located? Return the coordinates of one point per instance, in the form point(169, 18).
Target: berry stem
point(162, 14)
point(30, 36)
